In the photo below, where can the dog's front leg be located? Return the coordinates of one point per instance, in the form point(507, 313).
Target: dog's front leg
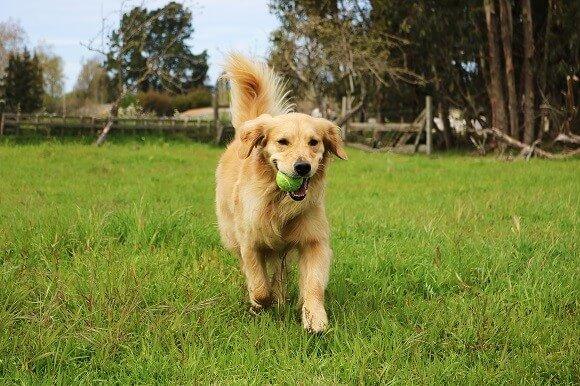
point(314, 267)
point(254, 267)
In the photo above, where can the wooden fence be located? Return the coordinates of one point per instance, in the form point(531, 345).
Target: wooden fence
point(402, 136)
point(197, 128)
point(368, 135)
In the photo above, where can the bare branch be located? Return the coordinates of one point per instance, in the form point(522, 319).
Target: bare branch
point(528, 150)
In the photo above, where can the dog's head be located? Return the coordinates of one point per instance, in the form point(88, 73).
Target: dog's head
point(293, 143)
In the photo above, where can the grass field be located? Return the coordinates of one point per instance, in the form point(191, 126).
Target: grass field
point(447, 270)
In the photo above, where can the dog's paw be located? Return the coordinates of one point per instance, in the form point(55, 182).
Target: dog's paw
point(260, 300)
point(314, 318)
point(255, 309)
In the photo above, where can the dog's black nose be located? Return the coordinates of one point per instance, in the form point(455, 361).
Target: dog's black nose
point(302, 168)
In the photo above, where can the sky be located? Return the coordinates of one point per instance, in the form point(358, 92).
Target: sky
point(220, 26)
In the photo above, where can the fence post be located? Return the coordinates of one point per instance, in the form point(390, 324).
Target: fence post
point(345, 108)
point(429, 123)
point(2, 125)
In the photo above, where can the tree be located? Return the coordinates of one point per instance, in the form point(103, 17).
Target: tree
point(330, 48)
point(52, 70)
point(506, 23)
point(496, 96)
point(53, 78)
point(442, 45)
point(149, 50)
point(528, 70)
point(92, 82)
point(23, 82)
point(557, 59)
point(495, 60)
point(12, 38)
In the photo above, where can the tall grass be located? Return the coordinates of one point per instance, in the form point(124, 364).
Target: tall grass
point(446, 270)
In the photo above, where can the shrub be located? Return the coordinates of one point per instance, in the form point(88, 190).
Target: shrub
point(164, 104)
point(157, 102)
point(52, 104)
point(200, 97)
point(128, 100)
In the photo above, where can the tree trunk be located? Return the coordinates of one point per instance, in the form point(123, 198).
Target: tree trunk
point(113, 113)
point(348, 114)
point(506, 37)
point(497, 100)
point(379, 101)
point(481, 55)
point(444, 116)
point(547, 39)
point(571, 109)
point(528, 102)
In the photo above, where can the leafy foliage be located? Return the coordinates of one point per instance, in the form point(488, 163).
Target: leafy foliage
point(199, 97)
point(52, 70)
point(155, 101)
point(391, 53)
point(93, 81)
point(164, 104)
point(23, 82)
point(149, 51)
point(53, 78)
point(330, 49)
point(12, 38)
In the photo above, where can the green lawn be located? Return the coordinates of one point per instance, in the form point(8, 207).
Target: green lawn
point(447, 270)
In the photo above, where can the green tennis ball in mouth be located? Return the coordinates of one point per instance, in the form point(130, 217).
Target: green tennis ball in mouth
point(287, 183)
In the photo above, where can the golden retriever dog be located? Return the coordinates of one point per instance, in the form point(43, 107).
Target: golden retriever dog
point(257, 220)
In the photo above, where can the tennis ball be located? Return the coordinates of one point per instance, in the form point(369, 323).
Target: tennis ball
point(287, 183)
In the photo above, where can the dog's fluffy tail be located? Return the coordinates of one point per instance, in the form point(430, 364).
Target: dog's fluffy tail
point(255, 90)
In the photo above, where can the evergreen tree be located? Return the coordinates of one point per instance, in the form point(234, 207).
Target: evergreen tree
point(22, 85)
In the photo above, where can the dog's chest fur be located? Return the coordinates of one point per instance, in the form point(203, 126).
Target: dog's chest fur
point(269, 217)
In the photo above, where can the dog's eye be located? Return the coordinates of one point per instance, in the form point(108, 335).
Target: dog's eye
point(283, 142)
point(313, 142)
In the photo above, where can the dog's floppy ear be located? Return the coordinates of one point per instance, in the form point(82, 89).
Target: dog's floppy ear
point(332, 138)
point(252, 132)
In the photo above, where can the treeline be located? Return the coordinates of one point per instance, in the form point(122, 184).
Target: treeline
point(147, 64)
point(30, 79)
point(507, 64)
point(94, 88)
